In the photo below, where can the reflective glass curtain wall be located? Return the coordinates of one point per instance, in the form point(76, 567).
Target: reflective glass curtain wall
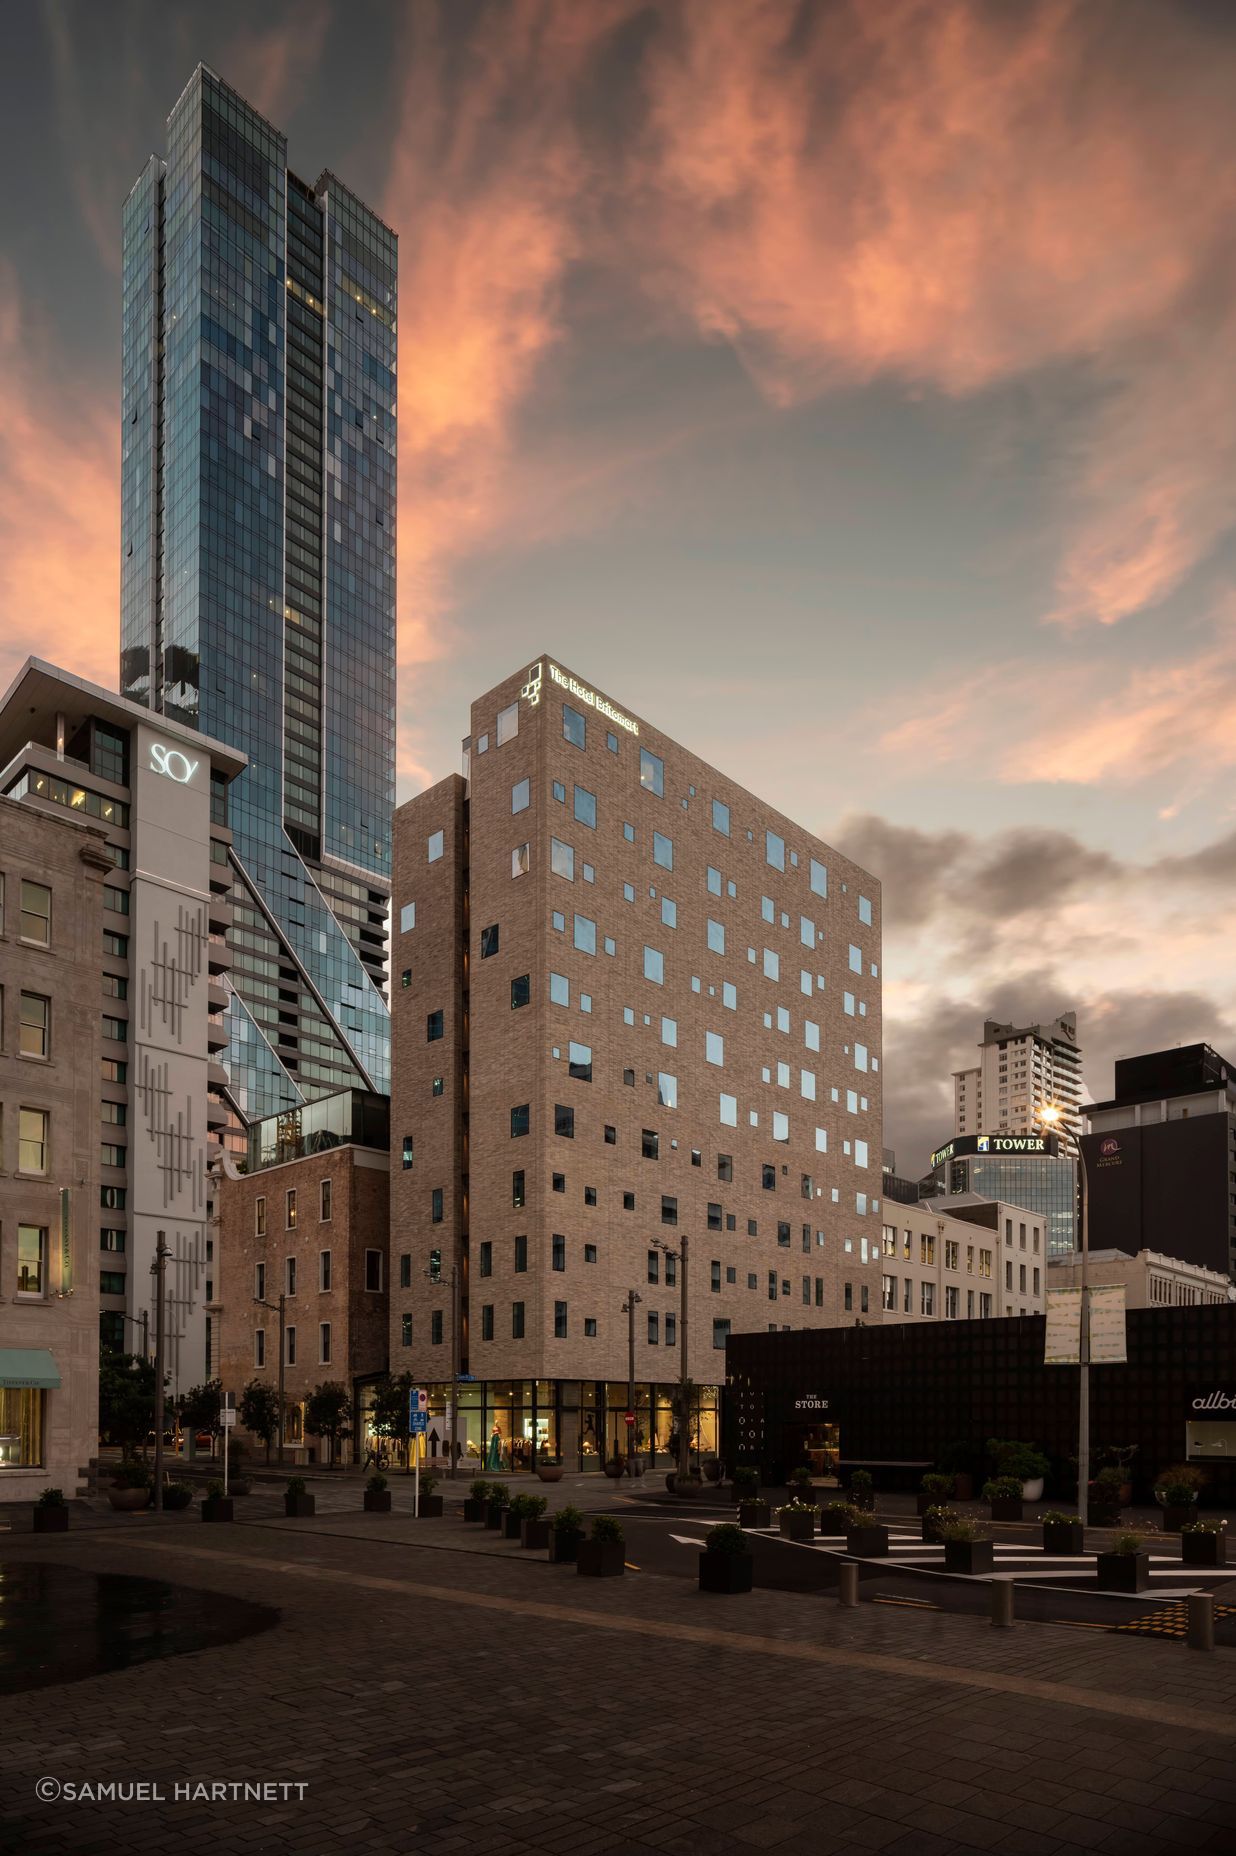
point(258, 565)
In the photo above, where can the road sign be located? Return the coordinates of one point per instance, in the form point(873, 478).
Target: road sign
point(630, 1417)
point(418, 1399)
point(418, 1423)
point(227, 1416)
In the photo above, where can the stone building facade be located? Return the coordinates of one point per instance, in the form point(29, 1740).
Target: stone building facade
point(634, 1007)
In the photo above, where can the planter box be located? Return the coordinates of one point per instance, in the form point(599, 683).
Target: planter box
point(377, 1502)
point(931, 1533)
point(865, 1502)
point(686, 1490)
point(1176, 1518)
point(474, 1510)
point(298, 1507)
point(549, 1472)
point(51, 1520)
point(564, 1544)
point(923, 1502)
point(1064, 1537)
point(754, 1514)
point(725, 1572)
point(963, 1487)
point(1205, 1549)
point(534, 1534)
point(601, 1559)
point(969, 1556)
point(495, 1516)
point(1124, 1572)
point(129, 1501)
point(1007, 1510)
point(217, 1508)
point(431, 1508)
point(511, 1524)
point(832, 1526)
point(867, 1543)
point(613, 1470)
point(796, 1526)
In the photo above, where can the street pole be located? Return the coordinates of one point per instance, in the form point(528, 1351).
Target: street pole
point(453, 1439)
point(633, 1299)
point(282, 1357)
point(684, 1433)
point(145, 1334)
point(1083, 1353)
point(159, 1270)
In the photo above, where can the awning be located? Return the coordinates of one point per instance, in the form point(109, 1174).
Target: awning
point(21, 1367)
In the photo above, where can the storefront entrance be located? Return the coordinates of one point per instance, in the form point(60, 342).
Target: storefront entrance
point(511, 1426)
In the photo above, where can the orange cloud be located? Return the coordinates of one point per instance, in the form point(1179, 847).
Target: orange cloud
point(59, 508)
point(956, 194)
point(271, 62)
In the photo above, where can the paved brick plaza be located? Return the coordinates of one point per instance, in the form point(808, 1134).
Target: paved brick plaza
point(440, 1691)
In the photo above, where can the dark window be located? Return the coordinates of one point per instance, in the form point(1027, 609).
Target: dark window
point(671, 1330)
point(590, 1253)
point(559, 1253)
point(437, 1086)
point(435, 1328)
point(489, 942)
point(697, 1159)
point(731, 1274)
point(628, 1077)
point(560, 1320)
point(783, 1236)
point(849, 1298)
point(714, 1217)
point(772, 1285)
point(628, 1201)
point(521, 991)
point(373, 1271)
point(654, 1266)
point(486, 1255)
point(487, 1321)
point(768, 1177)
point(405, 978)
point(521, 1255)
point(405, 1270)
point(720, 1334)
point(558, 1181)
point(611, 1136)
point(564, 1121)
point(590, 1327)
point(714, 1276)
point(725, 1167)
point(405, 1330)
point(654, 1325)
point(807, 1186)
point(731, 1223)
point(517, 1190)
point(433, 1028)
point(671, 1272)
point(517, 1320)
point(519, 1120)
point(435, 1205)
point(669, 1210)
point(753, 1229)
point(590, 1195)
point(407, 1151)
point(650, 1144)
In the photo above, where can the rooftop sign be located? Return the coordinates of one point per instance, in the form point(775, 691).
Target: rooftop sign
point(966, 1145)
point(585, 695)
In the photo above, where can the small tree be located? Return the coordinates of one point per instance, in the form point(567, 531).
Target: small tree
point(126, 1398)
point(259, 1412)
point(389, 1415)
point(328, 1413)
point(198, 1410)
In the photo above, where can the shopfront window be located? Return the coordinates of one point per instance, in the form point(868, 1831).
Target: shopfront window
point(21, 1427)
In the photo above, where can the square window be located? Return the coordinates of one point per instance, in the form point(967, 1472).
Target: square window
point(669, 1031)
point(434, 1030)
point(558, 1182)
point(864, 910)
point(628, 832)
point(716, 937)
point(564, 1121)
point(573, 727)
point(519, 1120)
point(714, 1047)
point(521, 860)
point(579, 1062)
point(611, 742)
point(628, 892)
point(434, 847)
point(586, 807)
point(729, 1111)
point(590, 1327)
point(729, 995)
point(819, 878)
point(650, 1144)
point(490, 940)
point(720, 818)
point(405, 979)
point(558, 920)
point(714, 881)
point(407, 917)
point(559, 792)
point(585, 935)
point(669, 912)
point(774, 850)
point(662, 850)
point(438, 1085)
point(508, 723)
point(652, 773)
point(521, 796)
point(772, 964)
point(521, 991)
point(562, 859)
point(559, 989)
point(667, 1090)
point(856, 959)
point(654, 966)
point(768, 909)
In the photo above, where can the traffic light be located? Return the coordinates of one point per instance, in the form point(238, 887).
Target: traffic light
point(435, 1266)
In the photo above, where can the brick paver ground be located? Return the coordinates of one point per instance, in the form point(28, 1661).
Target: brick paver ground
point(436, 1700)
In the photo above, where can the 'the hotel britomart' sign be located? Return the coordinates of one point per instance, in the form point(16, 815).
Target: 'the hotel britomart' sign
point(531, 692)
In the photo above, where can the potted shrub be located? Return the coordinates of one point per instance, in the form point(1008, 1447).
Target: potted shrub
point(796, 1521)
point(517, 1509)
point(613, 1467)
point(1125, 1565)
point(476, 1502)
point(496, 1507)
point(430, 1505)
point(1177, 1491)
point(710, 1467)
point(865, 1539)
point(377, 1495)
point(1106, 1496)
point(533, 1529)
point(934, 1520)
point(549, 1469)
point(604, 1555)
point(297, 1501)
point(51, 1513)
point(725, 1563)
point(1063, 1533)
point(1204, 1543)
point(837, 1518)
point(687, 1485)
point(934, 1491)
point(216, 1506)
point(1003, 1496)
point(960, 1461)
point(130, 1488)
point(862, 1490)
point(1022, 1461)
point(566, 1530)
point(966, 1548)
point(176, 1495)
point(752, 1512)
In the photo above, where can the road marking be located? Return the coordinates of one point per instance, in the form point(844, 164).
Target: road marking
point(685, 1541)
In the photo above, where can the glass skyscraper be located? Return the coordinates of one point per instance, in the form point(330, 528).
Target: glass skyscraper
point(258, 566)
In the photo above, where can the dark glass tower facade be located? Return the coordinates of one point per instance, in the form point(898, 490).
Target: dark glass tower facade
point(258, 565)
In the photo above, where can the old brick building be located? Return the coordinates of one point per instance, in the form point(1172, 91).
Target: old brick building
point(307, 1223)
point(633, 1007)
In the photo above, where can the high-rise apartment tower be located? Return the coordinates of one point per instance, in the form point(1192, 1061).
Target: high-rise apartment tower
point(1021, 1070)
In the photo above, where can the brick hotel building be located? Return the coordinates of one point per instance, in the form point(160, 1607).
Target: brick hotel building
point(633, 1007)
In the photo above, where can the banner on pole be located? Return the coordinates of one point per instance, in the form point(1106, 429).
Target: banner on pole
point(1107, 1327)
point(1062, 1344)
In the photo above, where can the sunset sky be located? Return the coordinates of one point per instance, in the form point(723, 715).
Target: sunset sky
point(846, 387)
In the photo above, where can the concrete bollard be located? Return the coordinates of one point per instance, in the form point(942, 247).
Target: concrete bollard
point(847, 1583)
point(1002, 1603)
point(1201, 1621)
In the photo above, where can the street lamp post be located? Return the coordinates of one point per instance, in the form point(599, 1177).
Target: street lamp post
point(282, 1308)
point(454, 1282)
point(679, 1254)
point(628, 1308)
point(1053, 1119)
point(158, 1270)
